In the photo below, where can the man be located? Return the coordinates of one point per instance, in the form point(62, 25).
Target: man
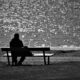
point(16, 44)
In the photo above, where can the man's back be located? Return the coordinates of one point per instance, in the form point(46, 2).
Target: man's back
point(16, 43)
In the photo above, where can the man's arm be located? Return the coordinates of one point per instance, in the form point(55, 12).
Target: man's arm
point(11, 44)
point(21, 44)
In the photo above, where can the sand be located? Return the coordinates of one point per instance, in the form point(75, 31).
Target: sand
point(62, 67)
point(55, 71)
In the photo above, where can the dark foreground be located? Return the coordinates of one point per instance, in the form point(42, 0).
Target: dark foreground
point(55, 71)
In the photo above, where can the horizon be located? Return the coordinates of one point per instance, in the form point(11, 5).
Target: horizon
point(62, 47)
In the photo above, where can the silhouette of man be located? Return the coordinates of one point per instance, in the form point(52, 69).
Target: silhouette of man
point(15, 45)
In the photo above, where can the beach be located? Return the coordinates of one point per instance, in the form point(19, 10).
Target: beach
point(62, 67)
point(56, 71)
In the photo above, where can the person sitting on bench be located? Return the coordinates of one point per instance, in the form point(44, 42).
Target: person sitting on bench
point(16, 45)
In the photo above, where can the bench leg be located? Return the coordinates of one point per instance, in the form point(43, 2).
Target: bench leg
point(48, 60)
point(44, 57)
point(8, 58)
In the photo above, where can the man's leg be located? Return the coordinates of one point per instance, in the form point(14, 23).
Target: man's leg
point(21, 60)
point(14, 60)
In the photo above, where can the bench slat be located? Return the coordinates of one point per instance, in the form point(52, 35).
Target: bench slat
point(31, 49)
point(34, 55)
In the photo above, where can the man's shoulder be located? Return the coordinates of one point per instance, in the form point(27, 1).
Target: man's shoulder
point(20, 40)
point(12, 40)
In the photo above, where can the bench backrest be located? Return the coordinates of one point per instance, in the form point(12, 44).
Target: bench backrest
point(31, 49)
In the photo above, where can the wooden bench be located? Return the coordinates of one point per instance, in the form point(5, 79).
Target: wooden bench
point(44, 55)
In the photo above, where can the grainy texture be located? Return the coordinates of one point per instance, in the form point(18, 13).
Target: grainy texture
point(63, 67)
point(56, 71)
point(40, 22)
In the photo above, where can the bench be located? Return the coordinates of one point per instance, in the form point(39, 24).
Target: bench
point(44, 55)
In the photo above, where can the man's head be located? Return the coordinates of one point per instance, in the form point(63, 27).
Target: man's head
point(16, 35)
